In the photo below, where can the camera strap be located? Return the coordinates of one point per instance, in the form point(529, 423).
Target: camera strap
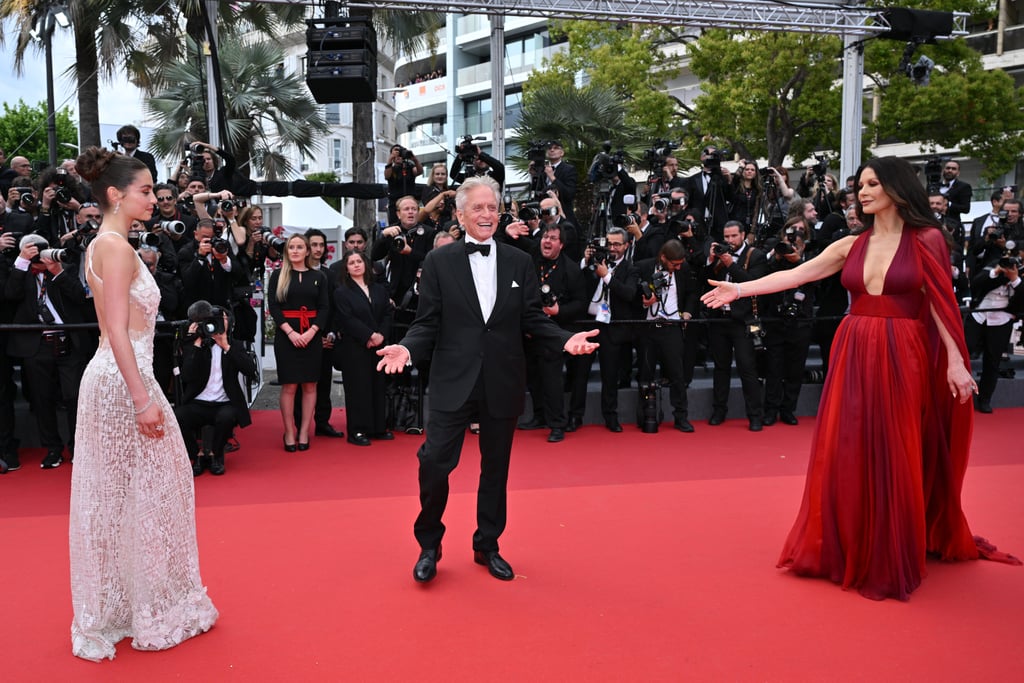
point(753, 299)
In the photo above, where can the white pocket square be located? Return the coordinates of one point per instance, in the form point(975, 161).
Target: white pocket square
point(515, 284)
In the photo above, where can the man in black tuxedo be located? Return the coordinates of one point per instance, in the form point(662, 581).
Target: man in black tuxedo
point(956, 191)
point(477, 299)
point(561, 176)
point(735, 261)
point(44, 291)
point(129, 137)
point(211, 393)
point(710, 192)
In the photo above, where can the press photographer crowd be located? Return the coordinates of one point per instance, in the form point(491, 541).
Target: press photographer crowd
point(635, 270)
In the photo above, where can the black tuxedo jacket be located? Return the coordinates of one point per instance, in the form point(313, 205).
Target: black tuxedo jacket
point(148, 160)
point(68, 297)
point(450, 329)
point(564, 183)
point(741, 270)
point(686, 284)
point(720, 194)
point(195, 373)
point(959, 197)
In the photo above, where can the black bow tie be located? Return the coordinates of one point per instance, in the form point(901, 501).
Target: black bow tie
point(483, 249)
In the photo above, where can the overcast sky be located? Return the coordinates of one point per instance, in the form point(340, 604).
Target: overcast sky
point(120, 101)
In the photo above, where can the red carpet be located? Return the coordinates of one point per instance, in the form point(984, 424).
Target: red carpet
point(639, 558)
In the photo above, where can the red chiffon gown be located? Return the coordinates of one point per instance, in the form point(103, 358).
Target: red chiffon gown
point(890, 448)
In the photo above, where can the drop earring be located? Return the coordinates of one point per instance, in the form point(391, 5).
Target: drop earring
point(117, 207)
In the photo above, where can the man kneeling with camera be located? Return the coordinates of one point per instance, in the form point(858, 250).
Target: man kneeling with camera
point(211, 391)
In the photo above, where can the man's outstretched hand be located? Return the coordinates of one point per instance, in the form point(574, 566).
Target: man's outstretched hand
point(580, 344)
point(393, 359)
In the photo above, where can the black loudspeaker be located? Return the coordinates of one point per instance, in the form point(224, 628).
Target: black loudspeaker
point(341, 62)
point(913, 24)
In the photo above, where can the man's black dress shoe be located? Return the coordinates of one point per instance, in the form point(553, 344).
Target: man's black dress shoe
point(216, 464)
point(426, 565)
point(770, 419)
point(53, 459)
point(756, 424)
point(788, 418)
point(717, 418)
point(612, 423)
point(497, 566)
point(358, 439)
point(982, 406)
point(383, 436)
point(556, 435)
point(534, 423)
point(574, 424)
point(683, 425)
point(198, 465)
point(328, 430)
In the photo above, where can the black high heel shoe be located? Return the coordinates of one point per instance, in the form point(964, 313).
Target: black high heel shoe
point(288, 447)
point(303, 446)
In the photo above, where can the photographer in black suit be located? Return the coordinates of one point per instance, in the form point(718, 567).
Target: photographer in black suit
point(211, 392)
point(710, 192)
point(129, 137)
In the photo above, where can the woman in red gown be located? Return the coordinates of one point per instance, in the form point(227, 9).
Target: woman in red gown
point(894, 424)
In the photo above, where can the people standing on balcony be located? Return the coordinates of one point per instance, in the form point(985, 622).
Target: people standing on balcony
point(483, 165)
point(401, 172)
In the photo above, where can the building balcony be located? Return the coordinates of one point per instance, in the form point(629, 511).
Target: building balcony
point(422, 100)
point(477, 78)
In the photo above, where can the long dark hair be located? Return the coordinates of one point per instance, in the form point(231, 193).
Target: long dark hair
point(900, 182)
point(346, 279)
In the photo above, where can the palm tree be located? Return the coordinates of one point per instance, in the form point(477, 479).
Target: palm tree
point(583, 119)
point(266, 111)
point(408, 31)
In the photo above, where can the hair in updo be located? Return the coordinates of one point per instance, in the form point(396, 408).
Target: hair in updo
point(104, 169)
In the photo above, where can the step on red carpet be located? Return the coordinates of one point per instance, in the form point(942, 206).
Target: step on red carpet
point(639, 557)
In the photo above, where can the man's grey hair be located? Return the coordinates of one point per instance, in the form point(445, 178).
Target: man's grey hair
point(618, 231)
point(473, 183)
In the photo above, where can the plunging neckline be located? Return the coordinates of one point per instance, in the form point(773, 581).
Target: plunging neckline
point(885, 275)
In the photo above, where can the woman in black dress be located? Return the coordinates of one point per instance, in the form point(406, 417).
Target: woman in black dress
point(364, 313)
point(298, 302)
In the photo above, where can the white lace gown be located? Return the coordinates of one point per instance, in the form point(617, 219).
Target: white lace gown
point(134, 558)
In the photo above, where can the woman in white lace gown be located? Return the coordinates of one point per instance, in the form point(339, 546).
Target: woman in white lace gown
point(134, 560)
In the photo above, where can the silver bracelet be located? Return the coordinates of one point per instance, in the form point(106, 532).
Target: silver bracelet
point(739, 290)
point(145, 407)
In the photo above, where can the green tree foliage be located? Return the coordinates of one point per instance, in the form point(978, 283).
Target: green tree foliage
point(326, 177)
point(265, 109)
point(775, 95)
point(625, 58)
point(582, 119)
point(23, 132)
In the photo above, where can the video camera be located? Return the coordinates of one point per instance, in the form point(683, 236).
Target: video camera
point(820, 169)
point(933, 171)
point(466, 150)
point(195, 160)
point(606, 164)
point(537, 152)
point(712, 160)
point(655, 156)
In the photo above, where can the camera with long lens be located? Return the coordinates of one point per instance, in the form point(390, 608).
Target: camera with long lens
point(59, 255)
point(659, 280)
point(219, 245)
point(683, 228)
point(784, 248)
point(149, 239)
point(173, 227)
point(466, 150)
point(1010, 258)
point(547, 297)
point(600, 253)
point(228, 205)
point(537, 152)
point(506, 219)
point(662, 202)
point(721, 249)
point(273, 241)
point(398, 243)
point(211, 325)
point(996, 232)
point(26, 197)
point(62, 193)
point(88, 227)
point(655, 156)
point(529, 211)
point(625, 220)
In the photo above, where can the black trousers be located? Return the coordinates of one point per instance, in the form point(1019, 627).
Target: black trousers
point(544, 366)
point(195, 415)
point(612, 338)
point(786, 344)
point(53, 382)
point(664, 342)
point(728, 338)
point(992, 341)
point(439, 455)
point(8, 443)
point(364, 390)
